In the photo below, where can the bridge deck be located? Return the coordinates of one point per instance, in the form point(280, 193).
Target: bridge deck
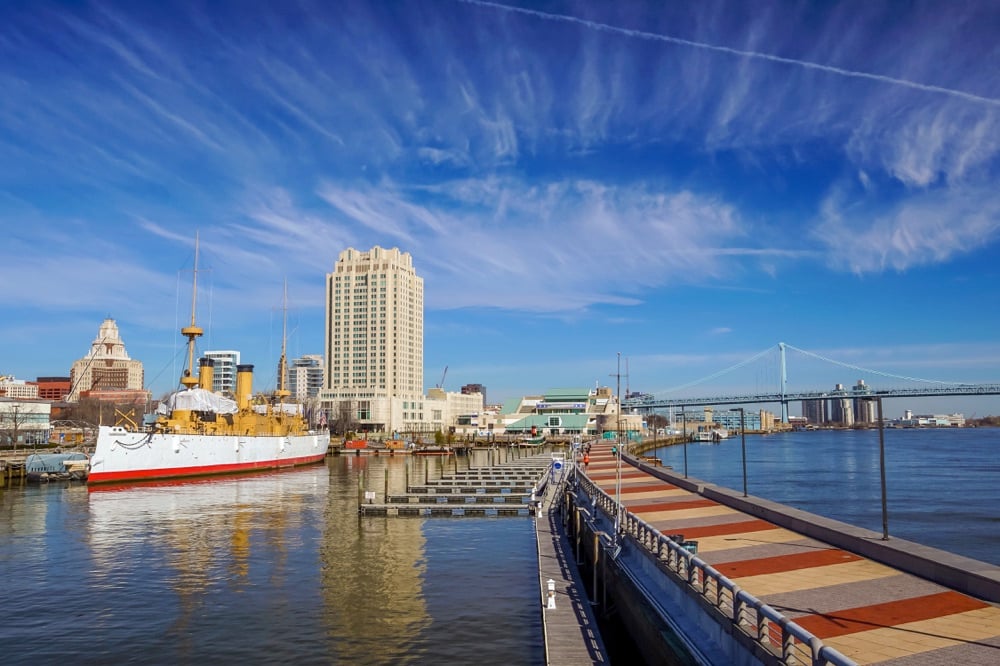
point(870, 612)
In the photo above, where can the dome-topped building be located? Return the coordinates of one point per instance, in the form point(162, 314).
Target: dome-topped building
point(107, 366)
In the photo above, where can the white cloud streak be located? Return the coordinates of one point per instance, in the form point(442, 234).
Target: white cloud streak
point(640, 34)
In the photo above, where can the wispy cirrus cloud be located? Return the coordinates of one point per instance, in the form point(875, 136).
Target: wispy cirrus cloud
point(557, 246)
point(932, 228)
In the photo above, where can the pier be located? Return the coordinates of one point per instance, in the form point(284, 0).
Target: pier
point(740, 580)
point(12, 471)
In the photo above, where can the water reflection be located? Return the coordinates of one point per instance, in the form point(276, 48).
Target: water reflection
point(372, 570)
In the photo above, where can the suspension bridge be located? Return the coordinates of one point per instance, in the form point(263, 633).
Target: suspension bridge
point(649, 403)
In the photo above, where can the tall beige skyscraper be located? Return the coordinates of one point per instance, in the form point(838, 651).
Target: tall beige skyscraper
point(374, 351)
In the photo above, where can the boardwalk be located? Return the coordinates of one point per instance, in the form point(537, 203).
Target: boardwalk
point(870, 612)
point(571, 634)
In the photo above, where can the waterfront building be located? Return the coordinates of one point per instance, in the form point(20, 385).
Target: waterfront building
point(841, 407)
point(107, 366)
point(24, 422)
point(865, 408)
point(224, 370)
point(17, 389)
point(457, 412)
point(730, 420)
point(932, 420)
point(815, 411)
point(374, 344)
point(305, 376)
point(568, 411)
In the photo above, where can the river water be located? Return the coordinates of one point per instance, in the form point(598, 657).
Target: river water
point(942, 485)
point(271, 568)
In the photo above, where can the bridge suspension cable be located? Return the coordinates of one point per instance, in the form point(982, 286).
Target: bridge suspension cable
point(721, 372)
point(868, 370)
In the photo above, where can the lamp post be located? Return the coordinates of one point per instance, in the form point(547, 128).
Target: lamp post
point(743, 447)
point(618, 456)
point(684, 434)
point(881, 465)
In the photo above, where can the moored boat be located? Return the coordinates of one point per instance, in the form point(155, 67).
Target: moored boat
point(197, 432)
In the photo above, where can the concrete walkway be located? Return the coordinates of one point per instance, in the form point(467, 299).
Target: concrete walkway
point(870, 612)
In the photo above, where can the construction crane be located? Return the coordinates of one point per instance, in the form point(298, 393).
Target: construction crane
point(444, 374)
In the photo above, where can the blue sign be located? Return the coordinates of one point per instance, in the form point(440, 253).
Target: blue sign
point(557, 465)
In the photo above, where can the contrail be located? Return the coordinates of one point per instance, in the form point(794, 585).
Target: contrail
point(737, 52)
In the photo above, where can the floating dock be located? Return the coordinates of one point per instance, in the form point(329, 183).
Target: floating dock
point(509, 489)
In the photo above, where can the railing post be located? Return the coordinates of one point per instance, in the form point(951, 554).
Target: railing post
point(787, 644)
point(596, 559)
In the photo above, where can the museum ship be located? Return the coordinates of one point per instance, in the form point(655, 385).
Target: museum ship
point(196, 432)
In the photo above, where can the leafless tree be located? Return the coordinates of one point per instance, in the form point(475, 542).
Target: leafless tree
point(342, 421)
point(12, 421)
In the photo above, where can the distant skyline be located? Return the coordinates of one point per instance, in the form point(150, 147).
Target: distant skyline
point(684, 185)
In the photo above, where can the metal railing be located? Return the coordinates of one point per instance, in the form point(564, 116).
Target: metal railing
point(772, 631)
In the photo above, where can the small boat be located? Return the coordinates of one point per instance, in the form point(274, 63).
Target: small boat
point(46, 467)
point(196, 432)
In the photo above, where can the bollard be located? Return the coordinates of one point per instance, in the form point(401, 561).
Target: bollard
point(552, 594)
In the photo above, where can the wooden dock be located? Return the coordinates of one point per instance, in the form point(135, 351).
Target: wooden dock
point(568, 621)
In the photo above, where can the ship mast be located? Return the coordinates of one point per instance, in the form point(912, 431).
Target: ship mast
point(282, 392)
point(193, 331)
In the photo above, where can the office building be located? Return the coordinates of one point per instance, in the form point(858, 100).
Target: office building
point(53, 388)
point(106, 367)
point(17, 388)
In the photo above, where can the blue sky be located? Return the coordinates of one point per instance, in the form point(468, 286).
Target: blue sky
point(686, 184)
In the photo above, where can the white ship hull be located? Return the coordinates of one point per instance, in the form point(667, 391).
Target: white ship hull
point(122, 455)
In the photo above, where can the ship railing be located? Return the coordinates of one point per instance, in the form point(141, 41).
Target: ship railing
point(765, 626)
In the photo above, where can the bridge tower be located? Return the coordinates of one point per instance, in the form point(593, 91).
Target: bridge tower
point(784, 381)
